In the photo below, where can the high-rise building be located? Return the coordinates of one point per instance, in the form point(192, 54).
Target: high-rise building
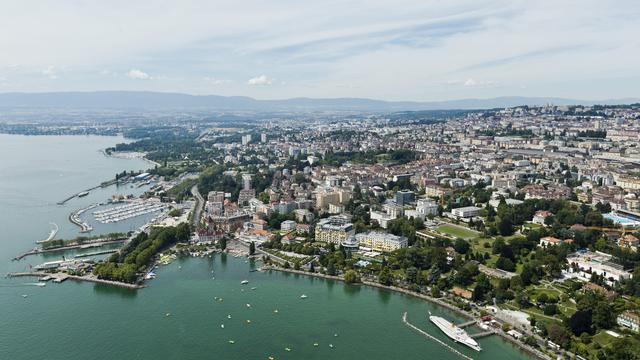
point(263, 138)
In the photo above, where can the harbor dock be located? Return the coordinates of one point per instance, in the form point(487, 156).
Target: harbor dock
point(429, 336)
point(60, 277)
point(37, 251)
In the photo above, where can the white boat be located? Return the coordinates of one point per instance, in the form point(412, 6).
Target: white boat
point(454, 332)
point(244, 282)
point(303, 296)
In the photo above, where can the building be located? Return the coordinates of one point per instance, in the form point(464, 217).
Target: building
point(334, 229)
point(288, 225)
point(586, 263)
point(263, 138)
point(551, 241)
point(466, 212)
point(380, 241)
point(629, 241)
point(630, 320)
point(540, 217)
point(427, 207)
point(404, 197)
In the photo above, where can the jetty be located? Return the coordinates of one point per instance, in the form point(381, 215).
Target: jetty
point(429, 336)
point(74, 217)
point(86, 245)
point(52, 234)
point(60, 277)
point(466, 324)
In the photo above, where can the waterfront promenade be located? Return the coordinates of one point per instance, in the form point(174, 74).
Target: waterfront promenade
point(86, 245)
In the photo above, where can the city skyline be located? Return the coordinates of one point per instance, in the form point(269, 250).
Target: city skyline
point(418, 51)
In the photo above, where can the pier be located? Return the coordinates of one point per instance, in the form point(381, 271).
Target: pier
point(482, 334)
point(60, 277)
point(70, 247)
point(74, 217)
point(52, 234)
point(467, 324)
point(429, 336)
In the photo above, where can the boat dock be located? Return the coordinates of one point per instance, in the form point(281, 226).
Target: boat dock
point(467, 324)
point(429, 336)
point(96, 253)
point(70, 247)
point(482, 334)
point(60, 277)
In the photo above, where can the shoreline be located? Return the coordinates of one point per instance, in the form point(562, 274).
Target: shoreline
point(522, 346)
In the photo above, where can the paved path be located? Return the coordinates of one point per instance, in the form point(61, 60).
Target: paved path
point(197, 211)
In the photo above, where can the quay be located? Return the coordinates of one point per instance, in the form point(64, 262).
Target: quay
point(74, 217)
point(70, 247)
point(60, 277)
point(52, 234)
point(429, 336)
point(466, 324)
point(96, 253)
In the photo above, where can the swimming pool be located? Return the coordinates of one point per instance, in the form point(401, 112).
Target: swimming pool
point(617, 219)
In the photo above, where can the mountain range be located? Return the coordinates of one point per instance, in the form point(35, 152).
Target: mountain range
point(162, 100)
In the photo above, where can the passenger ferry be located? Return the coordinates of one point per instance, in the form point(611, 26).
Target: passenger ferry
point(454, 332)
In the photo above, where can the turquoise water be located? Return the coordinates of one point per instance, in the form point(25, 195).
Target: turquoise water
point(80, 320)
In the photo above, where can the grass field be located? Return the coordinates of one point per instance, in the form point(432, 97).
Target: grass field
point(457, 231)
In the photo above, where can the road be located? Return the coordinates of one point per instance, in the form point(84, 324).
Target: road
point(197, 211)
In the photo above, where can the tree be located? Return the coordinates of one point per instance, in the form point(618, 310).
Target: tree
point(505, 264)
point(603, 316)
point(385, 277)
point(351, 277)
point(580, 322)
point(412, 274)
point(505, 227)
point(331, 269)
point(252, 248)
point(223, 243)
point(483, 287)
point(312, 268)
point(558, 334)
point(461, 246)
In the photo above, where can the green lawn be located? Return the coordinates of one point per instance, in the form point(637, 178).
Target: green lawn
point(458, 231)
point(603, 338)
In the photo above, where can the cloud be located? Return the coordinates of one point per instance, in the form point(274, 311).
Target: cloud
point(215, 81)
point(261, 80)
point(470, 82)
point(50, 72)
point(138, 74)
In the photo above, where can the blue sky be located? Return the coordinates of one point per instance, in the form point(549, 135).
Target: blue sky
point(395, 50)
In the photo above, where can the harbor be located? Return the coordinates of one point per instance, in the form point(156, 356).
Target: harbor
point(130, 210)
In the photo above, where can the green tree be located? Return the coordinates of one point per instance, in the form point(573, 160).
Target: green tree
point(385, 277)
point(223, 243)
point(252, 248)
point(351, 277)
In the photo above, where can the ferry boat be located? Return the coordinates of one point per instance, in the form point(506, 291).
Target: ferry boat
point(454, 332)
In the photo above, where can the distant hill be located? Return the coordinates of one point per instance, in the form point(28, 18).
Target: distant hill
point(160, 100)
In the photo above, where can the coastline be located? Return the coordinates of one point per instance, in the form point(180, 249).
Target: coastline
point(130, 155)
point(524, 347)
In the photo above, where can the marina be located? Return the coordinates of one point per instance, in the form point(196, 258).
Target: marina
point(128, 211)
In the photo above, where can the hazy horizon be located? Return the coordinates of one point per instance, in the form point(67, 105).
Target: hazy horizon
point(396, 51)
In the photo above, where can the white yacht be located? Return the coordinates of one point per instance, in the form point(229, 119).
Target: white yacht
point(454, 332)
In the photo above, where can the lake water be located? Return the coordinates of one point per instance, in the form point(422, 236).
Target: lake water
point(80, 320)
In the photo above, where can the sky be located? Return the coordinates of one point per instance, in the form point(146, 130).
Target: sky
point(423, 50)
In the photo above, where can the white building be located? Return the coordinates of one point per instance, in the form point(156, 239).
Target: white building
point(466, 212)
point(427, 207)
point(586, 263)
point(380, 241)
point(334, 229)
point(288, 225)
point(630, 320)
